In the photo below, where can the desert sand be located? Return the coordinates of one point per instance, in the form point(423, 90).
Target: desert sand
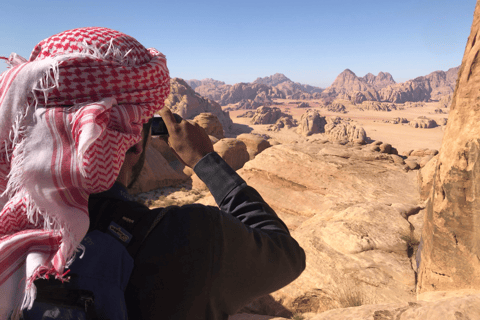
point(401, 136)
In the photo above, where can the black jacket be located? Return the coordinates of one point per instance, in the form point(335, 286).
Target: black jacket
point(203, 262)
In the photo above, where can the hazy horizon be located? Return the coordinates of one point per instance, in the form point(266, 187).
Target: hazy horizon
point(310, 42)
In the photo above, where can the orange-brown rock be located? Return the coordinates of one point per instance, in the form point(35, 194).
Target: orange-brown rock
point(211, 124)
point(451, 234)
point(233, 151)
point(184, 101)
point(255, 143)
point(311, 122)
point(157, 173)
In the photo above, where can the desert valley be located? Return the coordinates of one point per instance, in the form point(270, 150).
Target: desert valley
point(349, 168)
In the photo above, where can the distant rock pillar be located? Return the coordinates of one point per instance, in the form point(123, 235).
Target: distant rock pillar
point(450, 256)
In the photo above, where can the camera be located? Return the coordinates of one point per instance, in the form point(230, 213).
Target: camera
point(158, 125)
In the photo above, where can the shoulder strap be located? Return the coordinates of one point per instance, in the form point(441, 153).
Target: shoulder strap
point(127, 221)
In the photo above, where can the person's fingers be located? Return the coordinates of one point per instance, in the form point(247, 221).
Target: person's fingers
point(168, 118)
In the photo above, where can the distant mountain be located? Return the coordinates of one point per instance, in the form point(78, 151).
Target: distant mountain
point(254, 94)
point(205, 82)
point(383, 87)
point(380, 81)
point(272, 81)
point(348, 86)
point(433, 86)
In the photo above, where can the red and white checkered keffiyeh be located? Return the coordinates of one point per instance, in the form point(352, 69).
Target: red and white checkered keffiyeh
point(67, 117)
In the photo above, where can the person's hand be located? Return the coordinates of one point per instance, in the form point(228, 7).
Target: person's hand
point(188, 140)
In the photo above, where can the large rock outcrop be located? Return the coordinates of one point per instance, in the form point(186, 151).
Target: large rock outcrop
point(158, 172)
point(347, 84)
point(449, 259)
point(430, 87)
point(349, 209)
point(211, 124)
point(268, 115)
point(339, 129)
point(311, 122)
point(188, 104)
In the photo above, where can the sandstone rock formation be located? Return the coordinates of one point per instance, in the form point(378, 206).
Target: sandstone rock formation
point(249, 91)
point(233, 151)
point(211, 124)
point(451, 234)
point(268, 115)
point(423, 122)
point(430, 87)
point(339, 129)
point(303, 105)
point(377, 106)
point(382, 80)
point(337, 106)
point(346, 84)
point(292, 90)
point(311, 122)
point(254, 143)
point(158, 172)
point(188, 104)
point(343, 207)
point(283, 122)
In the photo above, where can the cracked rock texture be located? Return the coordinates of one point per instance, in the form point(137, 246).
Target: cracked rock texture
point(451, 235)
point(349, 209)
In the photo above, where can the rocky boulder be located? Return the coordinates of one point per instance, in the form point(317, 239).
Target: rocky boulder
point(347, 209)
point(283, 122)
point(423, 122)
point(158, 172)
point(254, 143)
point(184, 101)
point(268, 115)
point(311, 122)
point(211, 124)
point(303, 105)
point(338, 129)
point(233, 151)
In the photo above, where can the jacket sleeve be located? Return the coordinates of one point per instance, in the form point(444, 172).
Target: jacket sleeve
point(256, 255)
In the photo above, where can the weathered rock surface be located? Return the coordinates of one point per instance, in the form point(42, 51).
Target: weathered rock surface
point(342, 204)
point(233, 151)
point(283, 122)
point(336, 106)
point(465, 307)
point(347, 84)
point(451, 234)
point(377, 106)
point(423, 122)
point(430, 87)
point(254, 143)
point(382, 80)
point(158, 172)
point(311, 122)
point(268, 115)
point(188, 104)
point(211, 124)
point(338, 129)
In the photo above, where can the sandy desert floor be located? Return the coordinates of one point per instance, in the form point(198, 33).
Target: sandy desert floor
point(401, 136)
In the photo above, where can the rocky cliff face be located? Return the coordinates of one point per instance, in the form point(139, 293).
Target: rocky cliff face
point(277, 86)
point(347, 85)
point(382, 80)
point(382, 87)
point(188, 104)
point(449, 259)
point(430, 87)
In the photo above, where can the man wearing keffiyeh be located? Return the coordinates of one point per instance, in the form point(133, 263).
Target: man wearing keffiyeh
point(68, 115)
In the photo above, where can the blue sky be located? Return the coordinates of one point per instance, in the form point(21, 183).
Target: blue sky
point(309, 41)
